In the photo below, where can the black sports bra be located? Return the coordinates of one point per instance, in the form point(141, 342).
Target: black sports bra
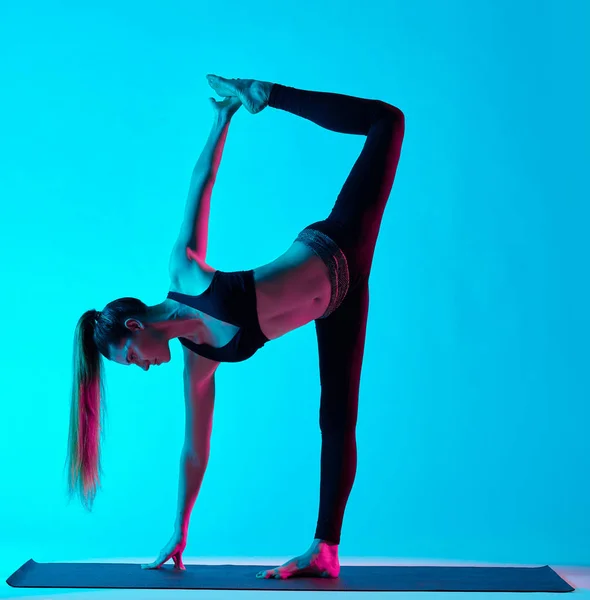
point(231, 297)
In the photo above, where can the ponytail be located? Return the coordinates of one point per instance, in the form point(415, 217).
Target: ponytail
point(87, 412)
point(93, 339)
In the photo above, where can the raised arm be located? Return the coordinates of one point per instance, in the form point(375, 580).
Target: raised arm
point(192, 239)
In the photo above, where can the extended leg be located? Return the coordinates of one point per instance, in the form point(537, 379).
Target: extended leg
point(336, 112)
point(341, 343)
point(355, 219)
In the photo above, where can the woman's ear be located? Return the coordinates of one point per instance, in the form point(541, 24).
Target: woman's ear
point(134, 324)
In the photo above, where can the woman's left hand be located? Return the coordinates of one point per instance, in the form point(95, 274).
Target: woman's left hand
point(226, 108)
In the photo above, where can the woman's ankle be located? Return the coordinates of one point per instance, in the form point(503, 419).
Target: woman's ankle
point(260, 92)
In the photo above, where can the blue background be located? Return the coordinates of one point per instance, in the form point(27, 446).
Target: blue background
point(473, 420)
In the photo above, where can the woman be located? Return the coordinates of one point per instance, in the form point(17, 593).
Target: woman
point(223, 316)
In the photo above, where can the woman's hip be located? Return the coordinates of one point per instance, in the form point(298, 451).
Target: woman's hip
point(344, 252)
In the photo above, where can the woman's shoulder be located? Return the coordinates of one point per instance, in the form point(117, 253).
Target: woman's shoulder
point(192, 277)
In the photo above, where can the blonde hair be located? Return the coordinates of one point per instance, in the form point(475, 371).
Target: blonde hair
point(92, 339)
point(87, 414)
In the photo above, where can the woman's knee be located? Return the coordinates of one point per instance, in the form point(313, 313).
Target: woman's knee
point(390, 112)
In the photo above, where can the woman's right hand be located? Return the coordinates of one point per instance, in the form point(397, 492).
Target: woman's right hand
point(173, 549)
point(225, 109)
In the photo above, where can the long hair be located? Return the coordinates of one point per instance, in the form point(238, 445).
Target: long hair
point(92, 339)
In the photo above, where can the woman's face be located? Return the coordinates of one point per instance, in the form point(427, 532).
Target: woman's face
point(144, 347)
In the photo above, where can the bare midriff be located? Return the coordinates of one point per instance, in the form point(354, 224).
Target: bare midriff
point(291, 291)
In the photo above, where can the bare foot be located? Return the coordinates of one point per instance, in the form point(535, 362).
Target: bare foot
point(321, 560)
point(253, 94)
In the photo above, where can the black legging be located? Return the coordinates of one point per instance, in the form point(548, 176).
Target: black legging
point(354, 225)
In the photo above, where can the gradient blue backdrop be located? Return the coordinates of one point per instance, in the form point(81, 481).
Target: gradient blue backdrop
point(473, 421)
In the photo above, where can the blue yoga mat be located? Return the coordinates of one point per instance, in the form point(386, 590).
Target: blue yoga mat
point(243, 577)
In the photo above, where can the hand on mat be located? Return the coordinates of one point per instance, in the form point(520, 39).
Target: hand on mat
point(226, 108)
point(173, 549)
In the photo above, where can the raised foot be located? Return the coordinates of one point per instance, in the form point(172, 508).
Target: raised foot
point(253, 94)
point(321, 560)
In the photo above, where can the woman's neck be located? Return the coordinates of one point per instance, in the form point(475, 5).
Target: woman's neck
point(175, 320)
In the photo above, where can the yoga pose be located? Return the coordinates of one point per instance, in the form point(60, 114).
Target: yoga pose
point(221, 316)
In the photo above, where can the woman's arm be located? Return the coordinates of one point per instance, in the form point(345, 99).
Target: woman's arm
point(192, 239)
point(199, 400)
point(194, 230)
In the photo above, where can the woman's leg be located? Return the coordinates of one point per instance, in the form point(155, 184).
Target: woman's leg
point(341, 342)
point(354, 225)
point(356, 217)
